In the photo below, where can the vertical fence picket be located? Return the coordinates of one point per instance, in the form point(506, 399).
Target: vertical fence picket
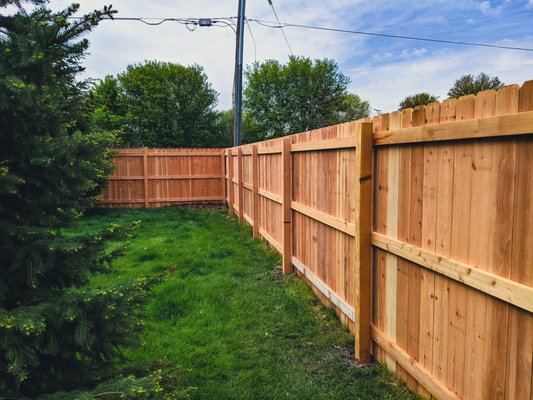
point(145, 178)
point(223, 173)
point(255, 191)
point(363, 226)
point(231, 188)
point(287, 211)
point(240, 186)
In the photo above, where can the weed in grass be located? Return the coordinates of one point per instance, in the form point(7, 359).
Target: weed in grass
point(226, 316)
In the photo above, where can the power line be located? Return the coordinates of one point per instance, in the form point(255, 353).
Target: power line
point(279, 25)
point(282, 31)
point(188, 22)
point(253, 39)
point(270, 24)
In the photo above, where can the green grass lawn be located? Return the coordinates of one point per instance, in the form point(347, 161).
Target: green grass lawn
point(225, 316)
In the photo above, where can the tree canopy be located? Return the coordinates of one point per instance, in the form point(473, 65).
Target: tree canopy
point(158, 104)
point(301, 95)
point(55, 332)
point(418, 99)
point(468, 84)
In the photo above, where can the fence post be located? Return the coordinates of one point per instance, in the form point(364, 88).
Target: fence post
point(255, 190)
point(223, 161)
point(287, 211)
point(189, 157)
point(145, 178)
point(241, 194)
point(363, 250)
point(230, 181)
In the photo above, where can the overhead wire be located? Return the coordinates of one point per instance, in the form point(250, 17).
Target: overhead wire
point(190, 23)
point(271, 24)
point(279, 25)
point(282, 31)
point(253, 39)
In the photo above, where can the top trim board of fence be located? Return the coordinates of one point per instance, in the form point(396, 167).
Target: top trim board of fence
point(325, 144)
point(504, 125)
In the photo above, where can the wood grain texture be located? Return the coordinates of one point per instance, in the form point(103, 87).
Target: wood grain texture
point(255, 191)
point(503, 125)
point(412, 366)
point(240, 193)
point(287, 210)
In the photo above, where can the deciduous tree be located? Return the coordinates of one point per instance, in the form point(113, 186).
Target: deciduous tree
point(158, 104)
point(299, 96)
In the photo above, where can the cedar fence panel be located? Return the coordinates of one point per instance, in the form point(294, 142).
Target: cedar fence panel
point(452, 238)
point(310, 217)
point(163, 177)
point(432, 270)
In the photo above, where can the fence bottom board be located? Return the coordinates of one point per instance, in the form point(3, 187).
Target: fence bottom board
point(274, 243)
point(324, 289)
point(247, 219)
point(413, 367)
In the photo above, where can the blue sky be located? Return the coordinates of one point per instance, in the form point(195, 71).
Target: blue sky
point(382, 70)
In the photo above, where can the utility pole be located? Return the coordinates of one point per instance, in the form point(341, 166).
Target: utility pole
point(237, 104)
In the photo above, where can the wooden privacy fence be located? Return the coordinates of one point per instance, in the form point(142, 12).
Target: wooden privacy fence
point(453, 245)
point(163, 177)
point(451, 279)
point(309, 196)
point(416, 227)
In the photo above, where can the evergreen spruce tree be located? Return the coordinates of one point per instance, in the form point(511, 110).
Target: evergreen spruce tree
point(418, 99)
point(55, 332)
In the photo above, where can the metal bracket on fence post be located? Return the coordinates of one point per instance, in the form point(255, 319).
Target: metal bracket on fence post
point(363, 249)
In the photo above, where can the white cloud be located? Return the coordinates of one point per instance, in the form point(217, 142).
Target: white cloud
point(385, 86)
point(486, 8)
point(383, 72)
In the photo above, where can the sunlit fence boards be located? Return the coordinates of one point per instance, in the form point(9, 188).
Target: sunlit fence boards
point(302, 194)
point(453, 245)
point(416, 227)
